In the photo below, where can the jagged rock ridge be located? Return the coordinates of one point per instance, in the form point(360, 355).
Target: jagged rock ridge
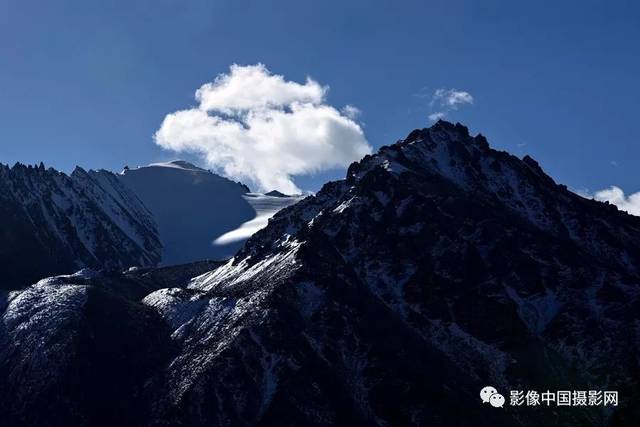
point(52, 223)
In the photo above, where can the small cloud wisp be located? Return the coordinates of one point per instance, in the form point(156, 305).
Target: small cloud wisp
point(447, 100)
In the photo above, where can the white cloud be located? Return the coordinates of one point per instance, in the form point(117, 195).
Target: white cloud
point(254, 125)
point(616, 196)
point(448, 100)
point(452, 98)
point(254, 87)
point(437, 116)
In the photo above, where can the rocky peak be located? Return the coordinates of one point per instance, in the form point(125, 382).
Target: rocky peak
point(476, 251)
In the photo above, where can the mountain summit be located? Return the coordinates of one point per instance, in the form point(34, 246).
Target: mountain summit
point(192, 207)
point(437, 267)
point(197, 210)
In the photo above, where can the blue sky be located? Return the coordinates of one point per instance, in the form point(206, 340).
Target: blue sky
point(89, 82)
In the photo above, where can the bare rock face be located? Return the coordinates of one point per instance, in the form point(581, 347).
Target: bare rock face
point(437, 267)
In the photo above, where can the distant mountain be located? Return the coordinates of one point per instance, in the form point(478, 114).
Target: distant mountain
point(167, 213)
point(437, 267)
point(275, 193)
point(51, 223)
point(195, 207)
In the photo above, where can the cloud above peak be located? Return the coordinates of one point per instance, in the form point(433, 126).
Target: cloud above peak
point(253, 125)
point(447, 100)
point(452, 98)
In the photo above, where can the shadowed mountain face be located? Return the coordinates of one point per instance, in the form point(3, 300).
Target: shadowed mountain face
point(77, 350)
point(51, 223)
point(192, 207)
point(437, 267)
point(200, 215)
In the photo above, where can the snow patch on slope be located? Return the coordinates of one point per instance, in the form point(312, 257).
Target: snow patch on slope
point(265, 207)
point(41, 322)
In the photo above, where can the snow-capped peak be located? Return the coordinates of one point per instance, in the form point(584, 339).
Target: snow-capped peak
point(178, 164)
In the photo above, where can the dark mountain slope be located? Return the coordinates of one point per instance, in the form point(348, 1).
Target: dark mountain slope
point(79, 349)
point(477, 255)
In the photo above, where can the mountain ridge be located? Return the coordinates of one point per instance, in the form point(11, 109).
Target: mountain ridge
point(66, 222)
point(165, 213)
point(484, 253)
point(436, 267)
